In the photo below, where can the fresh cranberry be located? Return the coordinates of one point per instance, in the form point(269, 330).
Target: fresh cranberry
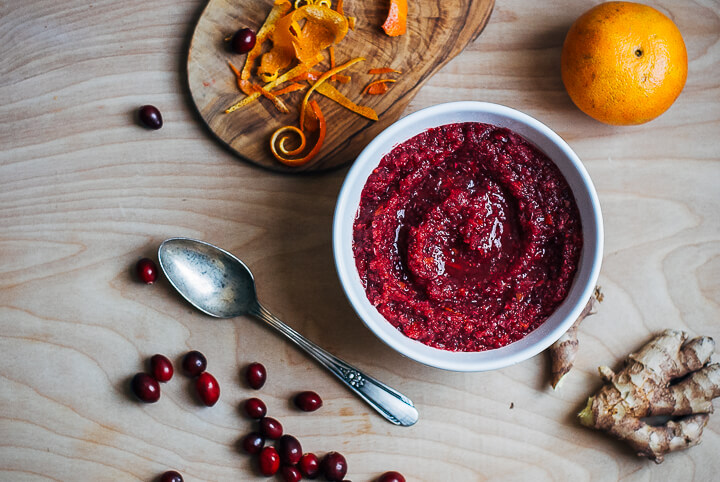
point(243, 41)
point(308, 401)
point(161, 368)
point(171, 476)
point(150, 117)
point(253, 442)
point(256, 375)
point(289, 449)
point(290, 474)
point(334, 466)
point(255, 408)
point(145, 387)
point(146, 270)
point(309, 465)
point(194, 363)
point(271, 428)
point(391, 476)
point(208, 389)
point(269, 461)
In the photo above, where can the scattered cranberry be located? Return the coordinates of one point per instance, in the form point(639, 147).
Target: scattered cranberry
point(194, 363)
point(147, 271)
point(391, 476)
point(289, 449)
point(243, 41)
point(256, 375)
point(290, 474)
point(334, 466)
point(171, 476)
point(269, 461)
point(161, 368)
point(146, 388)
point(255, 408)
point(308, 401)
point(150, 117)
point(253, 442)
point(271, 428)
point(309, 465)
point(208, 389)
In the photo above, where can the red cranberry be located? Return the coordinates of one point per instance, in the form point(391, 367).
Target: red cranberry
point(308, 401)
point(289, 449)
point(255, 408)
point(256, 375)
point(171, 476)
point(194, 363)
point(269, 461)
point(208, 389)
point(161, 368)
point(243, 41)
point(334, 466)
point(150, 117)
point(309, 465)
point(147, 271)
point(290, 474)
point(391, 476)
point(253, 442)
point(145, 387)
point(271, 428)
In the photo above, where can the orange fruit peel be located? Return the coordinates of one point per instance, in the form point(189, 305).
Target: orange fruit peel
point(277, 143)
point(396, 21)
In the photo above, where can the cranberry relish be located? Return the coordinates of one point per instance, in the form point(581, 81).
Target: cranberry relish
point(467, 237)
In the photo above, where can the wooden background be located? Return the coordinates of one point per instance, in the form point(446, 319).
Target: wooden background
point(85, 192)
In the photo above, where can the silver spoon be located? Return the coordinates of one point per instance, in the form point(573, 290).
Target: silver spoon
point(219, 284)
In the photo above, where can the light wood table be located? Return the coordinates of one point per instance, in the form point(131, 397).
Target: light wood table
point(85, 193)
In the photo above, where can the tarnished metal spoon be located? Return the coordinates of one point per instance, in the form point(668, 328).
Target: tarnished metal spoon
point(219, 284)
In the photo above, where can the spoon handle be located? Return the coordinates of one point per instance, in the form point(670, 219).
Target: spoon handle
point(391, 404)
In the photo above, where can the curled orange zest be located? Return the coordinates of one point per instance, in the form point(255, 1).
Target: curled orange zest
point(331, 92)
point(280, 156)
point(396, 21)
point(383, 70)
point(322, 79)
point(280, 8)
point(378, 86)
point(290, 88)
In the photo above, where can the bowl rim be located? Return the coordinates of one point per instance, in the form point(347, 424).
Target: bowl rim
point(537, 340)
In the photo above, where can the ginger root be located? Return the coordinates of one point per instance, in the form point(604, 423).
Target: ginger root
point(564, 351)
point(642, 389)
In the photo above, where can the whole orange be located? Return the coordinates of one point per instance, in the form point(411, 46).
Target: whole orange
point(624, 63)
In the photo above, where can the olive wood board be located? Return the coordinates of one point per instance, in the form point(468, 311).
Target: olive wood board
point(437, 31)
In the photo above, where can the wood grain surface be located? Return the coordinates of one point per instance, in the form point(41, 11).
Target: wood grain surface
point(437, 32)
point(85, 192)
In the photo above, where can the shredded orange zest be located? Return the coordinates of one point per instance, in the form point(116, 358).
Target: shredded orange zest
point(331, 92)
point(279, 104)
point(310, 75)
point(322, 79)
point(372, 89)
point(343, 79)
point(396, 21)
point(321, 28)
point(383, 70)
point(280, 8)
point(290, 88)
point(294, 72)
point(339, 7)
point(280, 156)
point(351, 22)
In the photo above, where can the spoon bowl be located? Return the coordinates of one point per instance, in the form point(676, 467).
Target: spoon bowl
point(209, 278)
point(220, 285)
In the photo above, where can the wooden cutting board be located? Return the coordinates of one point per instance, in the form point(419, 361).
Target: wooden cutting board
point(437, 32)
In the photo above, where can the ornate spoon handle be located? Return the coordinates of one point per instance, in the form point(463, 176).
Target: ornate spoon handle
point(391, 404)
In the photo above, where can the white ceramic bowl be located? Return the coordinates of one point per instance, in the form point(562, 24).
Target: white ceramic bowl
point(570, 166)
